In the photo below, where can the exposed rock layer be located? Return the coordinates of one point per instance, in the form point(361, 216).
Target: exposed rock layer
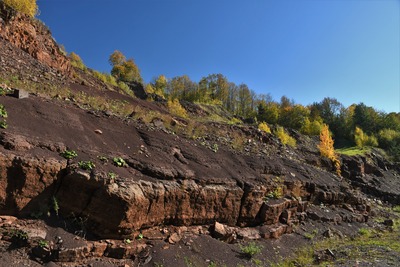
point(33, 37)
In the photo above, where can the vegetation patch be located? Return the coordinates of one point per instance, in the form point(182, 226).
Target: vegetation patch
point(119, 162)
point(3, 116)
point(353, 151)
point(28, 7)
point(69, 154)
point(86, 165)
point(369, 245)
point(285, 138)
point(264, 127)
point(250, 250)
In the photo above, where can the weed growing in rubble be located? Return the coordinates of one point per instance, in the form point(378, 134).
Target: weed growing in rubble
point(69, 154)
point(3, 114)
point(55, 205)
point(43, 243)
point(250, 250)
point(86, 165)
point(112, 176)
point(103, 159)
point(119, 162)
point(3, 125)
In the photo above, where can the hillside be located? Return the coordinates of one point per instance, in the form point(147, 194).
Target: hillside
point(123, 182)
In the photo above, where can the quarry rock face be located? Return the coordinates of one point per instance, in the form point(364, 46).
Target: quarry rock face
point(33, 37)
point(117, 208)
point(26, 182)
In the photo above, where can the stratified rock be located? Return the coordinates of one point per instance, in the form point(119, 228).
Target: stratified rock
point(34, 38)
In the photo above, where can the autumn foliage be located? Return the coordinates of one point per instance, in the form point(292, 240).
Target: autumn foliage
point(124, 70)
point(326, 147)
point(28, 7)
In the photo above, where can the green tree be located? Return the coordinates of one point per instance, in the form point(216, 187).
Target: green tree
point(366, 118)
point(244, 101)
point(329, 110)
point(214, 89)
point(268, 112)
point(293, 116)
point(181, 87)
point(311, 127)
point(361, 139)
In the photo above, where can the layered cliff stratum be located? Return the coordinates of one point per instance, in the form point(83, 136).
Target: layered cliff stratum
point(122, 182)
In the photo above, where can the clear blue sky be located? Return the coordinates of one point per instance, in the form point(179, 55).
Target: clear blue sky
point(304, 49)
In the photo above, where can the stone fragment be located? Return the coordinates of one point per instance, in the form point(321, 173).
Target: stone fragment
point(36, 233)
point(219, 230)
point(5, 219)
point(248, 233)
point(98, 248)
point(98, 131)
point(20, 94)
point(72, 254)
point(174, 238)
point(328, 233)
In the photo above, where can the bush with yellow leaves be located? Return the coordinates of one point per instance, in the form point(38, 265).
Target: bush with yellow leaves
point(176, 108)
point(285, 138)
point(28, 7)
point(264, 127)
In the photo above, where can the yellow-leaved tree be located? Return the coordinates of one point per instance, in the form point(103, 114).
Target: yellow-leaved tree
point(124, 70)
point(28, 7)
point(326, 147)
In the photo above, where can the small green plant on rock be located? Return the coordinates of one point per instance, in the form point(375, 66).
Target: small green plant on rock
point(310, 236)
point(112, 176)
point(250, 250)
point(86, 165)
point(3, 125)
point(277, 193)
point(19, 237)
point(119, 162)
point(3, 114)
point(103, 159)
point(364, 231)
point(140, 236)
point(214, 148)
point(69, 154)
point(43, 243)
point(55, 205)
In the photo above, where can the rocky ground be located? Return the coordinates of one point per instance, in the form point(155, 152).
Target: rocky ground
point(93, 177)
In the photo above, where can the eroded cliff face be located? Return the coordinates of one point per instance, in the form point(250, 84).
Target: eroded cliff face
point(33, 37)
point(27, 183)
point(171, 180)
point(119, 207)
